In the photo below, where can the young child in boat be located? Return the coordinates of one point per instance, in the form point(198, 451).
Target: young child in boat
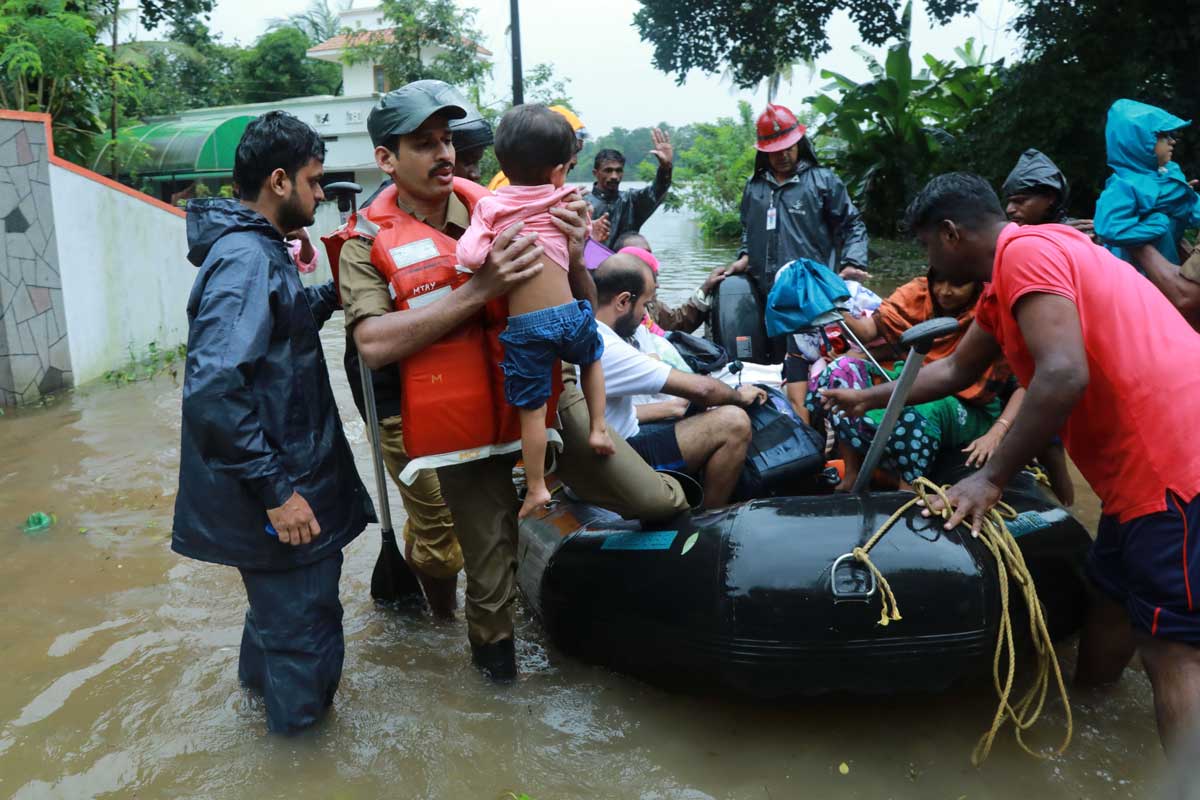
point(545, 323)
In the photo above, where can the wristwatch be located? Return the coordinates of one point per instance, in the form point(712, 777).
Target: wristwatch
point(701, 299)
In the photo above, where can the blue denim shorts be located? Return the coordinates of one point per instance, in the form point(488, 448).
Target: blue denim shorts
point(534, 341)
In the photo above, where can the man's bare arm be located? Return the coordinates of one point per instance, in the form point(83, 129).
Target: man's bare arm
point(1183, 294)
point(1052, 332)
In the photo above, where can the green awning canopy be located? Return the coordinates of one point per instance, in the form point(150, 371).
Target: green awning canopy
point(192, 147)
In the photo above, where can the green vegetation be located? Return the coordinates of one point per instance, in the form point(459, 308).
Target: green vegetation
point(894, 127)
point(417, 25)
point(153, 362)
point(1078, 58)
point(756, 39)
point(712, 172)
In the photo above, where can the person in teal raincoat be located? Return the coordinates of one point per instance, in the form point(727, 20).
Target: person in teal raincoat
point(1147, 199)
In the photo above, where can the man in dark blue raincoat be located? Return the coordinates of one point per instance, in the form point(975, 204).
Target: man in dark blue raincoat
point(267, 482)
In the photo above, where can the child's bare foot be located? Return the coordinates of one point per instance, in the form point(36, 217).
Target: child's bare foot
point(601, 442)
point(535, 499)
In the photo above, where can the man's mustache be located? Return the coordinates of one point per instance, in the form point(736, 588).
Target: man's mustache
point(441, 165)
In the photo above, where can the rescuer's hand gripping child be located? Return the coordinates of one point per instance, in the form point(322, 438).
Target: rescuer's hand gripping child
point(545, 323)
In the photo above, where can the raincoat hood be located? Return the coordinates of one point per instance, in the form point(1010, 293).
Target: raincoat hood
point(1130, 136)
point(1035, 170)
point(210, 219)
point(1143, 203)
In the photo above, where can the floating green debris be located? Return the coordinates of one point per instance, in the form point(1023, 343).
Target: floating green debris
point(38, 521)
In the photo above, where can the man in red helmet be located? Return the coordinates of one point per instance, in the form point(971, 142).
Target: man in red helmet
point(794, 208)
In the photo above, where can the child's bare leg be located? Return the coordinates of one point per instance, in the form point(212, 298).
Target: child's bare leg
point(592, 380)
point(853, 462)
point(533, 451)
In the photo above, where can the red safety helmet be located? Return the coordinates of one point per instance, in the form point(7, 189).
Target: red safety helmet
point(778, 129)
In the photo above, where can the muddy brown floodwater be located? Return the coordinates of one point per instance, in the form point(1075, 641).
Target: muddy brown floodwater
point(119, 666)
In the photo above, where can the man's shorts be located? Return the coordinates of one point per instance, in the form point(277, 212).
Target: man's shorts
point(534, 341)
point(656, 443)
point(1151, 565)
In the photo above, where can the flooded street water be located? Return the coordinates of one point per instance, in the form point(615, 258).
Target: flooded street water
point(119, 665)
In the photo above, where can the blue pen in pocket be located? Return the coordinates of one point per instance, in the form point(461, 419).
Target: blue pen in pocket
point(271, 531)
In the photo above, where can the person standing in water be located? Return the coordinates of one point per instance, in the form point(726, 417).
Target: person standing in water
point(267, 482)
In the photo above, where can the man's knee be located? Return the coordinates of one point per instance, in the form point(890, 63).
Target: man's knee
point(734, 423)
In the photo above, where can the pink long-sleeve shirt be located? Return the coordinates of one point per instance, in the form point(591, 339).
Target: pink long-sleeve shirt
point(509, 205)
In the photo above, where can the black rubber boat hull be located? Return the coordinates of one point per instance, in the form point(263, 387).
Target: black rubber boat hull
point(745, 598)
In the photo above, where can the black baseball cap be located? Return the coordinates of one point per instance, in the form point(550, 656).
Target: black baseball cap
point(403, 110)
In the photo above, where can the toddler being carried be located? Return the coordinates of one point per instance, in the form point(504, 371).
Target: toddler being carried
point(534, 147)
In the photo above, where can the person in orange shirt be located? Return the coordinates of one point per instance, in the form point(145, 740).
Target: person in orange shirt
point(1061, 311)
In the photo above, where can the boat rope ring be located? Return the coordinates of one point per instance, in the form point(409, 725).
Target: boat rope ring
point(851, 588)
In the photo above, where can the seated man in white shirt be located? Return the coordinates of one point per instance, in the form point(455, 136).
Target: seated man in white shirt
point(712, 443)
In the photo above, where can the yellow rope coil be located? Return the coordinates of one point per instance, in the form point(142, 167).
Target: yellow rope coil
point(1010, 565)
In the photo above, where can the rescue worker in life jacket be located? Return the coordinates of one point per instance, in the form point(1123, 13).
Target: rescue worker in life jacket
point(410, 128)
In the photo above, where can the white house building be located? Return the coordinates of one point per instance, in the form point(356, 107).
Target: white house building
point(198, 145)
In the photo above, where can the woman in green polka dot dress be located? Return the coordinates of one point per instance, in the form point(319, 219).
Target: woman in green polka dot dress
point(923, 431)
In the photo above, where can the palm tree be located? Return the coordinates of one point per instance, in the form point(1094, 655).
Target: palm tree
point(773, 82)
point(319, 22)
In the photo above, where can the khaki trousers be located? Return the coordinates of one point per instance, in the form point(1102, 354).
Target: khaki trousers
point(484, 503)
point(429, 527)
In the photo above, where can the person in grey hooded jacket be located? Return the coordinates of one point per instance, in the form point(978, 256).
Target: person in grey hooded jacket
point(267, 482)
point(793, 207)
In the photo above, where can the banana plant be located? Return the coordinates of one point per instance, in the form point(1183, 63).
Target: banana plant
point(892, 127)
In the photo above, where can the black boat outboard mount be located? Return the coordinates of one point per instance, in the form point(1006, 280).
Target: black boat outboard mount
point(919, 339)
point(738, 322)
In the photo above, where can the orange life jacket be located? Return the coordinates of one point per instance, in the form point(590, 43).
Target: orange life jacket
point(452, 392)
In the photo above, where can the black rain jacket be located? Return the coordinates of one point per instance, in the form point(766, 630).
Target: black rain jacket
point(815, 219)
point(628, 210)
point(259, 417)
point(1035, 170)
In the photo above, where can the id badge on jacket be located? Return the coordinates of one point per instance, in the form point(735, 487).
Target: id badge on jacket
point(771, 217)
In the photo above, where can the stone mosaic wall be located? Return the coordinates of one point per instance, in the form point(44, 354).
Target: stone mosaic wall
point(35, 358)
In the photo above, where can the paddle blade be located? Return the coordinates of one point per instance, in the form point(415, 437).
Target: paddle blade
point(393, 581)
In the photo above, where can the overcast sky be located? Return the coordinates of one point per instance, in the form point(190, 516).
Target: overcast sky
point(612, 79)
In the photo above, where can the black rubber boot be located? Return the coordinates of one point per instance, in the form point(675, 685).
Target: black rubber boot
point(498, 660)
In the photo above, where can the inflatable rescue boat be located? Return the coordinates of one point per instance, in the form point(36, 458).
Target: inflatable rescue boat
point(765, 598)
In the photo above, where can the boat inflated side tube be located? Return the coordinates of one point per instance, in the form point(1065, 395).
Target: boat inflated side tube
point(737, 320)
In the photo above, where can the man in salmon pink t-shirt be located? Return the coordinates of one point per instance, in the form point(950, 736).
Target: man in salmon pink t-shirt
point(1112, 367)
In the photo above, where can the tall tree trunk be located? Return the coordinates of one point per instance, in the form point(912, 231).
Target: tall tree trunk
point(112, 67)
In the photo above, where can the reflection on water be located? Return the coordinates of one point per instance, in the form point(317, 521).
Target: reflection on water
point(119, 664)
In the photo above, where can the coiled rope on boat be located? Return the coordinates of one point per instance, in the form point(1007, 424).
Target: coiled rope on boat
point(1010, 565)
